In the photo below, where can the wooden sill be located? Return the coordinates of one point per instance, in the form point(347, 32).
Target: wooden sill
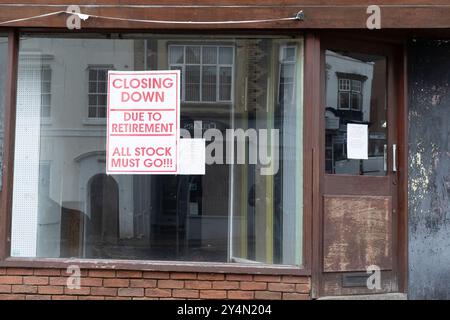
point(168, 266)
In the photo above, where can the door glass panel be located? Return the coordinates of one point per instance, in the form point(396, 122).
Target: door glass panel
point(355, 94)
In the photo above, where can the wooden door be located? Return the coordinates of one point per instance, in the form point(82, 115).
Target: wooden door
point(359, 208)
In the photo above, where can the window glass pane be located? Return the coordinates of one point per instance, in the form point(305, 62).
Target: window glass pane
point(246, 208)
point(192, 81)
point(209, 55)
point(46, 74)
point(289, 54)
point(3, 63)
point(225, 83)
point(356, 85)
point(92, 99)
point(193, 54)
point(102, 100)
point(192, 92)
point(226, 55)
point(344, 100)
point(355, 94)
point(102, 74)
point(344, 84)
point(46, 86)
point(287, 81)
point(209, 79)
point(101, 87)
point(356, 101)
point(101, 112)
point(176, 54)
point(287, 73)
point(93, 75)
point(92, 87)
point(92, 112)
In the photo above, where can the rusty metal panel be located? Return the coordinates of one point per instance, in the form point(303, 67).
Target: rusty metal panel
point(357, 233)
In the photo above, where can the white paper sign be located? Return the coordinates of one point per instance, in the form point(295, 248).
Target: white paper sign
point(143, 122)
point(192, 156)
point(357, 141)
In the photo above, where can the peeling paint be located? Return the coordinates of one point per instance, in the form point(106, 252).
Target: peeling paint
point(429, 170)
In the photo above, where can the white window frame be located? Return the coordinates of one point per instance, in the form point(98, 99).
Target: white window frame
point(106, 67)
point(218, 66)
point(350, 89)
point(284, 62)
point(46, 67)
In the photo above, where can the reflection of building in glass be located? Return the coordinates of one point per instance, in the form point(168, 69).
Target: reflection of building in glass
point(78, 210)
point(355, 94)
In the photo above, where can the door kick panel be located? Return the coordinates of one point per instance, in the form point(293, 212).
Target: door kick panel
point(357, 233)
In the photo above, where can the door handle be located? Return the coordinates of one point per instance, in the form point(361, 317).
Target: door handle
point(385, 158)
point(394, 157)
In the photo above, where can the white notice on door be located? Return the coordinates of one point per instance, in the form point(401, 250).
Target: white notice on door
point(357, 141)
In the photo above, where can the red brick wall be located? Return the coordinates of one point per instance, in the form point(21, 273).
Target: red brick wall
point(28, 283)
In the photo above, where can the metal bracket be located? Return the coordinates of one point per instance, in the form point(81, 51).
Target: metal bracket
point(300, 16)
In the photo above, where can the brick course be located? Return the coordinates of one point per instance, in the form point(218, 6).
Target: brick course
point(51, 284)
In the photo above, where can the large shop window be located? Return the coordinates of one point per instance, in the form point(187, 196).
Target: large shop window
point(3, 61)
point(243, 95)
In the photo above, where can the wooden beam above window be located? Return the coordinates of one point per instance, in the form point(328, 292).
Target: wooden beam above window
point(346, 14)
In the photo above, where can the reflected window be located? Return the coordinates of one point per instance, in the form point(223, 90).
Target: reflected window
point(206, 71)
point(350, 94)
point(46, 92)
point(288, 60)
point(97, 94)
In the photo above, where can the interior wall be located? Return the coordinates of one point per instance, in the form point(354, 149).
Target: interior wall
point(429, 170)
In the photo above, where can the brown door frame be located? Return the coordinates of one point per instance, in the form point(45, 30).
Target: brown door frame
point(314, 102)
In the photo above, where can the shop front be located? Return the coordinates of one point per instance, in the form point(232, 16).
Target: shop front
point(243, 95)
point(304, 115)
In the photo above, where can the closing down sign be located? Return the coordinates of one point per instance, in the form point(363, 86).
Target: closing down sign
point(143, 122)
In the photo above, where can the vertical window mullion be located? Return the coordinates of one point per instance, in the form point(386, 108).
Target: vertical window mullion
point(350, 100)
point(183, 81)
point(201, 75)
point(217, 83)
point(217, 74)
point(97, 72)
point(232, 75)
point(97, 113)
point(184, 73)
